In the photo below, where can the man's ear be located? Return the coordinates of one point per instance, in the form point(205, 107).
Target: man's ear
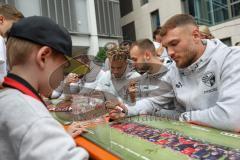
point(147, 55)
point(2, 19)
point(196, 33)
point(43, 54)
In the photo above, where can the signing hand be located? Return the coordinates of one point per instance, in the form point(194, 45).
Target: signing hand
point(116, 109)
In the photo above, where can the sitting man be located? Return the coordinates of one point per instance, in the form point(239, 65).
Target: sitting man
point(146, 61)
point(69, 85)
point(36, 49)
point(205, 84)
point(115, 81)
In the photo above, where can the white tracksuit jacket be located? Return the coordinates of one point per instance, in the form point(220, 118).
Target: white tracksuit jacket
point(116, 87)
point(209, 89)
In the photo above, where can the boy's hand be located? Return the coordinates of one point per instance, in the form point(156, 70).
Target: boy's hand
point(76, 129)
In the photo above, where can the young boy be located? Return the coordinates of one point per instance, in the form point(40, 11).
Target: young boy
point(8, 15)
point(36, 49)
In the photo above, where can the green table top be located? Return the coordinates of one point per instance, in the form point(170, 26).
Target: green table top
point(150, 138)
point(147, 137)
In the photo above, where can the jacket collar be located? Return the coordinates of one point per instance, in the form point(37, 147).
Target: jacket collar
point(212, 46)
point(16, 82)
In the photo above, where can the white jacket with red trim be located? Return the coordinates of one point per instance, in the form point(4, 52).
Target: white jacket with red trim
point(28, 131)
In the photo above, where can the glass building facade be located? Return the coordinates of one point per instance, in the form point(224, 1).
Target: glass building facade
point(212, 12)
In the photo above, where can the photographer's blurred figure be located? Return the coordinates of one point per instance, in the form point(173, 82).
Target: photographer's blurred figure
point(8, 15)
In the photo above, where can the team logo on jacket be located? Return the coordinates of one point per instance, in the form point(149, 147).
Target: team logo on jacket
point(209, 79)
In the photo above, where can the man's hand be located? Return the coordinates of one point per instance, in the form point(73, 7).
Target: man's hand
point(71, 78)
point(116, 109)
point(132, 91)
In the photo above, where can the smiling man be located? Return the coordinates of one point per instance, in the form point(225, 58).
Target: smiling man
point(205, 80)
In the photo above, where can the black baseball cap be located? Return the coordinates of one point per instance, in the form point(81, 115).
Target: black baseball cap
point(44, 31)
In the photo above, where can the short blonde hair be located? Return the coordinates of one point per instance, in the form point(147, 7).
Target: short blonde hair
point(18, 51)
point(10, 12)
point(204, 31)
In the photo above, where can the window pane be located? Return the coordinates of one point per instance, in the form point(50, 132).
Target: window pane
point(220, 9)
point(209, 12)
point(144, 2)
point(155, 19)
point(235, 9)
point(52, 9)
point(112, 20)
point(106, 16)
point(129, 32)
point(116, 10)
point(12, 2)
point(101, 22)
point(2, 1)
point(59, 12)
point(203, 11)
point(233, 1)
point(73, 16)
point(227, 41)
point(102, 19)
point(98, 17)
point(44, 7)
point(66, 14)
point(126, 7)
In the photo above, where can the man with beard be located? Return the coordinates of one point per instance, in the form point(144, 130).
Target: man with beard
point(204, 79)
point(146, 62)
point(151, 84)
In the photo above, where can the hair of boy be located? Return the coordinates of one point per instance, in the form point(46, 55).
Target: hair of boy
point(10, 12)
point(145, 45)
point(19, 50)
point(177, 21)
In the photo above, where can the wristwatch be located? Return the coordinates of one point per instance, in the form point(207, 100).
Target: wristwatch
point(185, 117)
